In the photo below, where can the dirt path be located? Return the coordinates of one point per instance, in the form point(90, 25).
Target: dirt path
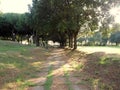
point(61, 79)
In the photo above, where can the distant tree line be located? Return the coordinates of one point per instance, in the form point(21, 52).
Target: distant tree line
point(99, 40)
point(14, 26)
point(62, 21)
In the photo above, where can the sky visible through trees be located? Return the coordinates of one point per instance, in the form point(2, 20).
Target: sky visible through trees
point(63, 21)
point(14, 6)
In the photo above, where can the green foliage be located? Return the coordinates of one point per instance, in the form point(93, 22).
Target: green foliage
point(64, 16)
point(115, 37)
point(68, 16)
point(13, 23)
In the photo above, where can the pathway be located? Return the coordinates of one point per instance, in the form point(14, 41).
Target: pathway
point(61, 79)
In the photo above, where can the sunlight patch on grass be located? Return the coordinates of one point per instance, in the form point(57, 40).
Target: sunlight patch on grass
point(3, 66)
point(19, 85)
point(77, 66)
point(95, 83)
point(104, 61)
point(36, 64)
point(108, 60)
point(105, 49)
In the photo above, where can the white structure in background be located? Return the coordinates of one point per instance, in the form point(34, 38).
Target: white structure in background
point(25, 42)
point(53, 44)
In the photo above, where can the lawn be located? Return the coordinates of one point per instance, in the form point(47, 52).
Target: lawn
point(105, 49)
point(19, 63)
point(94, 67)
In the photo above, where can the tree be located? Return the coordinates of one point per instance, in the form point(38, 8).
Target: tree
point(66, 17)
point(13, 25)
point(115, 37)
point(5, 28)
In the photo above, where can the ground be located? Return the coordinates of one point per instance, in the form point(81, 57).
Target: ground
point(29, 68)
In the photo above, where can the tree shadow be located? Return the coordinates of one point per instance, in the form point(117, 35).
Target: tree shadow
point(100, 70)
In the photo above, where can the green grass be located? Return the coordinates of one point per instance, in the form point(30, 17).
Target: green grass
point(26, 84)
point(108, 60)
point(17, 65)
point(102, 46)
point(66, 75)
point(49, 80)
point(79, 66)
point(13, 46)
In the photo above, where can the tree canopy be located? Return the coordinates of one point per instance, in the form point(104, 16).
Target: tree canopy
point(63, 19)
point(14, 24)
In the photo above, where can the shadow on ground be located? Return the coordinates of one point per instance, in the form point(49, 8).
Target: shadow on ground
point(97, 71)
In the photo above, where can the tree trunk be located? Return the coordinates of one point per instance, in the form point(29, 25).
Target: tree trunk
point(75, 41)
point(116, 43)
point(71, 41)
point(62, 44)
point(37, 41)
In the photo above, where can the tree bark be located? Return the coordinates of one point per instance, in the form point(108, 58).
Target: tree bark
point(116, 43)
point(37, 41)
point(71, 41)
point(75, 41)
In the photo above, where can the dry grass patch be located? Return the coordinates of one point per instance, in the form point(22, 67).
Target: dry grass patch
point(19, 64)
point(95, 70)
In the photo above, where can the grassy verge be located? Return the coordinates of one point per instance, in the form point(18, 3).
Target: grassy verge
point(13, 46)
point(96, 70)
point(18, 64)
point(49, 80)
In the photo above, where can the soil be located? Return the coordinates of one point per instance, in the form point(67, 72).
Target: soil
point(92, 76)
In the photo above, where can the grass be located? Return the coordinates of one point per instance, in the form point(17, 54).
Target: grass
point(49, 80)
point(66, 74)
point(98, 69)
point(11, 46)
point(77, 66)
point(18, 65)
point(106, 49)
point(108, 60)
point(24, 84)
point(103, 46)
